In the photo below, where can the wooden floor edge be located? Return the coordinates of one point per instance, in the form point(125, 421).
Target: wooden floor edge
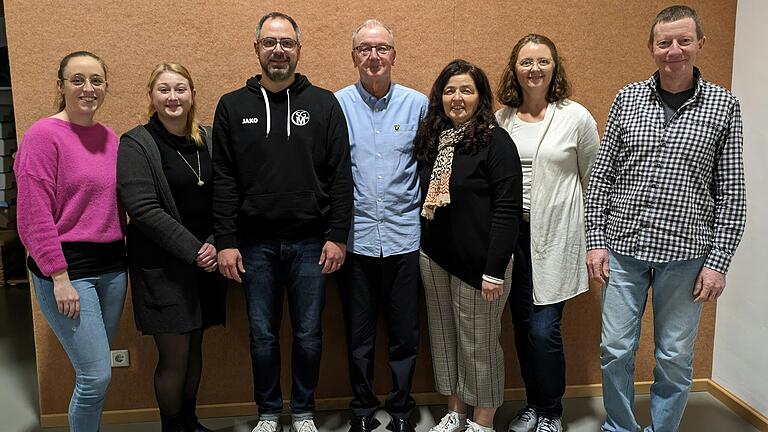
point(326, 404)
point(738, 406)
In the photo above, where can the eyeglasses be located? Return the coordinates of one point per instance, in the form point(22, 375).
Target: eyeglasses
point(79, 81)
point(287, 44)
point(365, 50)
point(528, 63)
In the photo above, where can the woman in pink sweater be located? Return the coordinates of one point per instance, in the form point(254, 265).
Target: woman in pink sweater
point(69, 221)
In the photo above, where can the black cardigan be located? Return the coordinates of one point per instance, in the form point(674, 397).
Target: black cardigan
point(161, 251)
point(476, 233)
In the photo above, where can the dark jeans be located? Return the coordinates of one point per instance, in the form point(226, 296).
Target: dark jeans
point(366, 284)
point(538, 339)
point(271, 266)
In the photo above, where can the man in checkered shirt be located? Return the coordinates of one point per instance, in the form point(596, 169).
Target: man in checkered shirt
point(666, 207)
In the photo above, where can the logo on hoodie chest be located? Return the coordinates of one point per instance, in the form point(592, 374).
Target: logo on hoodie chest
point(250, 120)
point(300, 117)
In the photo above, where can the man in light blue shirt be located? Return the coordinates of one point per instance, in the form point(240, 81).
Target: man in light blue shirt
point(382, 263)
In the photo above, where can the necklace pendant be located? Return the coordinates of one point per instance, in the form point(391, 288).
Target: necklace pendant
point(200, 182)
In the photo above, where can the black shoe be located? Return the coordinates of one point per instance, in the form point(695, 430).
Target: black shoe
point(190, 419)
point(171, 423)
point(196, 427)
point(363, 423)
point(402, 425)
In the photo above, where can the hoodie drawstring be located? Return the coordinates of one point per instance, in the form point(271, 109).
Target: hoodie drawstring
point(269, 114)
point(266, 106)
point(288, 120)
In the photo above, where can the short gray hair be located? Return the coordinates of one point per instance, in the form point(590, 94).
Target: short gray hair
point(280, 15)
point(370, 24)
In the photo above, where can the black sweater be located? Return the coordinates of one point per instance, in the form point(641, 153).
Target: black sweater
point(194, 203)
point(476, 233)
point(280, 174)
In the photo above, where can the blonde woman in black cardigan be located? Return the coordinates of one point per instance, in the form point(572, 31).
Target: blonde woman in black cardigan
point(164, 181)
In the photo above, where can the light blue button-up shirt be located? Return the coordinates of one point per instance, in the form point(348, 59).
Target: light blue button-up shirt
point(381, 134)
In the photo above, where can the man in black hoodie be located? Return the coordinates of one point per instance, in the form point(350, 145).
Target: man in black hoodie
point(282, 210)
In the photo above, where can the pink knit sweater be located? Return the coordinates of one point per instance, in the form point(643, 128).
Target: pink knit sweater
point(65, 175)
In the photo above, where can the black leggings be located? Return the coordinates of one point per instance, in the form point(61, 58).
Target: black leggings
point(179, 366)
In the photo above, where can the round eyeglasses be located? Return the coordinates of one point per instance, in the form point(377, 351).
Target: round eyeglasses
point(287, 44)
point(365, 50)
point(79, 81)
point(528, 63)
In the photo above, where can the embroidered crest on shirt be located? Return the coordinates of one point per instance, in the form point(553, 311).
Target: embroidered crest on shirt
point(397, 127)
point(300, 117)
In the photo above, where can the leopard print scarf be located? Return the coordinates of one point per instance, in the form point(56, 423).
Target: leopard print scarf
point(438, 193)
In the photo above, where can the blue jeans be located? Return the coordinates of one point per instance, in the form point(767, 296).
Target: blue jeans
point(538, 340)
point(675, 325)
point(86, 340)
point(270, 267)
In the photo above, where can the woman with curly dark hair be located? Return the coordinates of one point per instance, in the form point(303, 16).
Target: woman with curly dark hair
point(557, 142)
point(471, 181)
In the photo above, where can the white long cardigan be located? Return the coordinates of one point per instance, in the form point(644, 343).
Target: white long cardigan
point(567, 147)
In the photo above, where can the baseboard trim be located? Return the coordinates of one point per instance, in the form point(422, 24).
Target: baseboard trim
point(735, 404)
point(326, 404)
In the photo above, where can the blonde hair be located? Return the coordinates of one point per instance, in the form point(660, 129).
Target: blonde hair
point(193, 124)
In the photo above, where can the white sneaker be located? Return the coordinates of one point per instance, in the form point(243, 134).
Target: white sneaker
point(451, 422)
point(548, 424)
point(306, 425)
point(266, 426)
point(474, 427)
point(525, 420)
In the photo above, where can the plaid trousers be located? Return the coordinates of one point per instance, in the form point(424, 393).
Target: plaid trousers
point(464, 335)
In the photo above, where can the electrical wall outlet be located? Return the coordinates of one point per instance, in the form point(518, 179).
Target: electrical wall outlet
point(120, 358)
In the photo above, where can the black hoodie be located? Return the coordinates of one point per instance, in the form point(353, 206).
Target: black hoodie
point(281, 165)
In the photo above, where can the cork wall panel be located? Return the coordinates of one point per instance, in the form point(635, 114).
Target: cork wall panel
point(604, 43)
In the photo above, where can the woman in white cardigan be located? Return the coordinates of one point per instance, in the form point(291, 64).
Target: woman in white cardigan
point(557, 141)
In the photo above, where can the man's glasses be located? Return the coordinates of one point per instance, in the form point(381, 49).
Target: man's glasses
point(287, 44)
point(79, 81)
point(365, 50)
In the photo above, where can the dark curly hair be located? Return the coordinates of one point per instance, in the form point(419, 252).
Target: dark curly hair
point(511, 94)
point(478, 133)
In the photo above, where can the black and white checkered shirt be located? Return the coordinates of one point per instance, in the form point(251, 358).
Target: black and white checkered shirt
point(667, 191)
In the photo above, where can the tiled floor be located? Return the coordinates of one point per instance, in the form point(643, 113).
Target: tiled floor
point(18, 394)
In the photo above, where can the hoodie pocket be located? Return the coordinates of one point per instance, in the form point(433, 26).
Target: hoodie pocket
point(281, 207)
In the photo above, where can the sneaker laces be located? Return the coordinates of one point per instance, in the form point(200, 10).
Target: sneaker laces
point(265, 426)
point(526, 414)
point(447, 422)
point(547, 424)
point(306, 425)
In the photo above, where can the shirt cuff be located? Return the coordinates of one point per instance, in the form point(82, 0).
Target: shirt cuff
point(718, 260)
point(493, 280)
point(226, 241)
point(596, 240)
point(337, 235)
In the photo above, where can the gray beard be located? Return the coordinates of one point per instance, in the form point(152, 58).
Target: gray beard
point(279, 74)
